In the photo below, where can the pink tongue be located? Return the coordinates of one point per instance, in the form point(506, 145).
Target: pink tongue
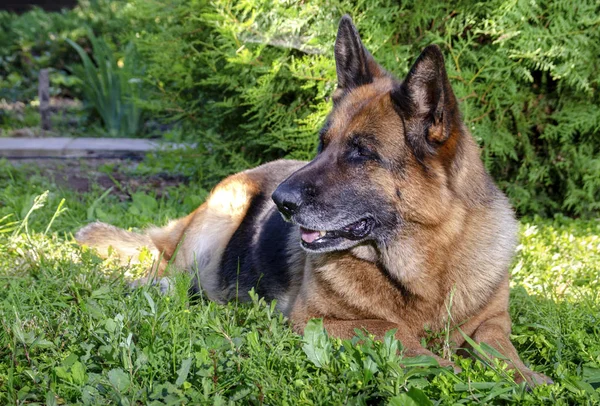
point(308, 236)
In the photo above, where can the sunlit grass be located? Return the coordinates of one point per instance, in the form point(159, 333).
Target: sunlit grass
point(72, 331)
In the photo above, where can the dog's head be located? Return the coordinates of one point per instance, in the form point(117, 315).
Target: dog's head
point(385, 152)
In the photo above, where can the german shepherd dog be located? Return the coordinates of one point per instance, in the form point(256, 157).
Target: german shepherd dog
point(395, 223)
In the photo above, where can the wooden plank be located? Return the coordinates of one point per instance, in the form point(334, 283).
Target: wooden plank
point(19, 148)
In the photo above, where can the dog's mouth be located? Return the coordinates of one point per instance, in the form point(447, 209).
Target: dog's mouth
point(318, 240)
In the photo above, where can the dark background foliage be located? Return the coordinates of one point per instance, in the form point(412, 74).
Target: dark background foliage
point(250, 80)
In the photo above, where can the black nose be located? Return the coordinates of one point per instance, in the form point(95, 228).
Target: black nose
point(288, 199)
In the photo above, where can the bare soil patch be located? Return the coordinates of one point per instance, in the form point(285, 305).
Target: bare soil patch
point(83, 175)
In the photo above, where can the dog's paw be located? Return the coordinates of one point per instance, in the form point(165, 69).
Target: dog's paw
point(165, 285)
point(533, 379)
point(444, 363)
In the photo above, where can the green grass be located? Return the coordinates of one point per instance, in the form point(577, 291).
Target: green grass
point(72, 332)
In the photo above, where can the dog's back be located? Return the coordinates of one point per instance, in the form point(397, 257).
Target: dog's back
point(233, 242)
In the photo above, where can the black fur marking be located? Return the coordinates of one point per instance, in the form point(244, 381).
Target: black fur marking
point(271, 255)
point(258, 262)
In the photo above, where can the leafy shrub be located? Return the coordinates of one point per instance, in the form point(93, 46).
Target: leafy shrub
point(27, 43)
point(37, 40)
point(112, 85)
point(254, 77)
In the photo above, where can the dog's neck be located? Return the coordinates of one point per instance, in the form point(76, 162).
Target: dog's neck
point(420, 255)
point(406, 261)
point(453, 258)
point(413, 258)
point(436, 257)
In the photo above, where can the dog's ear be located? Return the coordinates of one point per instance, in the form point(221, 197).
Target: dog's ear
point(354, 64)
point(426, 103)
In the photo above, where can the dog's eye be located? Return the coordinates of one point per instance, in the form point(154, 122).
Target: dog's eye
point(322, 133)
point(360, 148)
point(321, 145)
point(361, 153)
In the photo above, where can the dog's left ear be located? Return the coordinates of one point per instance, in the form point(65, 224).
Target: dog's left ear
point(354, 64)
point(426, 102)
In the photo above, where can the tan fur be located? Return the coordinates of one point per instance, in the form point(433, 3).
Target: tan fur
point(103, 237)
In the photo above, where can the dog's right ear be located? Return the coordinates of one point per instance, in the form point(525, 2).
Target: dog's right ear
point(354, 65)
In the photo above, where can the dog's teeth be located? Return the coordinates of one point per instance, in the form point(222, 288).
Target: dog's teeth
point(322, 233)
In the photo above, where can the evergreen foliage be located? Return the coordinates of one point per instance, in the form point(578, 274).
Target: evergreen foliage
point(250, 80)
point(254, 78)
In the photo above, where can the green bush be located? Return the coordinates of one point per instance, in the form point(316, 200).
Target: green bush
point(37, 39)
point(111, 85)
point(253, 78)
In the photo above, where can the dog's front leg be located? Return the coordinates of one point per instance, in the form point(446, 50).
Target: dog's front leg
point(412, 347)
point(495, 332)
